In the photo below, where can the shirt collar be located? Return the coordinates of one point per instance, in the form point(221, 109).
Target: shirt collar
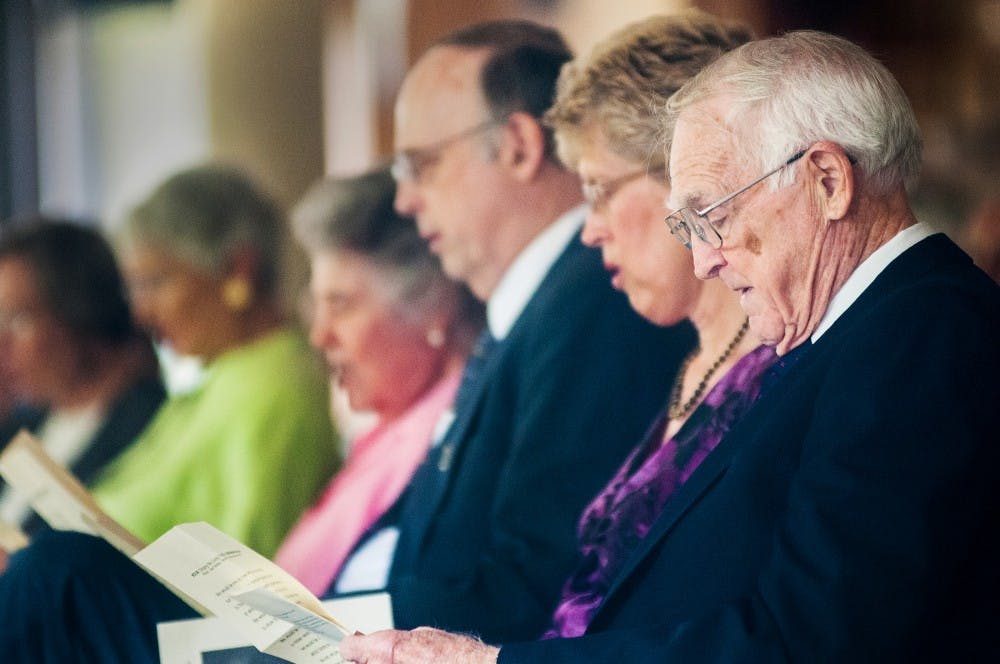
point(865, 273)
point(529, 268)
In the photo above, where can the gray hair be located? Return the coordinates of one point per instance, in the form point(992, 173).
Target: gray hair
point(205, 215)
point(788, 92)
point(356, 214)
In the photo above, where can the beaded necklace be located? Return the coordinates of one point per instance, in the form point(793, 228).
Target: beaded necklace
point(674, 409)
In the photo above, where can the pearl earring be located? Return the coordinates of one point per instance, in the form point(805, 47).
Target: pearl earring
point(435, 337)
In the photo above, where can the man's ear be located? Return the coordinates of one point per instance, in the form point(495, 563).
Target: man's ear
point(523, 148)
point(831, 170)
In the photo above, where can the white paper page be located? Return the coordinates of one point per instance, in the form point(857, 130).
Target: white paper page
point(273, 605)
point(212, 568)
point(57, 504)
point(57, 495)
point(185, 641)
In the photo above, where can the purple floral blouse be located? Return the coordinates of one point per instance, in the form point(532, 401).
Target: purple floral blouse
point(621, 515)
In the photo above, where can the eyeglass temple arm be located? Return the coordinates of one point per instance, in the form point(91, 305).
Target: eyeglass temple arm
point(794, 157)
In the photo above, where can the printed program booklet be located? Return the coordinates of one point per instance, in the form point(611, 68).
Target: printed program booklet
point(211, 571)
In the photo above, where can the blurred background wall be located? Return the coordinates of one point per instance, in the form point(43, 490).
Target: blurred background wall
point(103, 98)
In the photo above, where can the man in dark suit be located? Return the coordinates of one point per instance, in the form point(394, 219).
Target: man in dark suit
point(573, 376)
point(852, 515)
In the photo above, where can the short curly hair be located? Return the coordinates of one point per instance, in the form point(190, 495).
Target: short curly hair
point(622, 84)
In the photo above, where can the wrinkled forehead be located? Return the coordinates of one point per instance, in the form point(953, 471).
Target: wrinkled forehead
point(701, 157)
point(441, 92)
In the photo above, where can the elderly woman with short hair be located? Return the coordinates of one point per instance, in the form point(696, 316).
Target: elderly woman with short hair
point(248, 449)
point(396, 332)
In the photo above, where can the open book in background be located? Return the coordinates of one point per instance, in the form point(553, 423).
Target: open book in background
point(63, 502)
point(263, 603)
point(57, 496)
point(212, 572)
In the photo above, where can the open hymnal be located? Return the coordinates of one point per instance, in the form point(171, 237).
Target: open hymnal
point(209, 570)
point(265, 604)
point(213, 640)
point(57, 496)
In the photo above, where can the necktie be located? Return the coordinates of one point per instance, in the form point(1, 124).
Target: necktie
point(472, 376)
point(422, 497)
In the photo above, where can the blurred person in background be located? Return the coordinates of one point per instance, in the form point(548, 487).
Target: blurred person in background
point(85, 378)
point(8, 397)
point(395, 331)
point(247, 450)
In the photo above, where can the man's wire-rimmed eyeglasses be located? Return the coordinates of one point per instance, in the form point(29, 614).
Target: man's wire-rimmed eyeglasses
point(409, 165)
point(687, 221)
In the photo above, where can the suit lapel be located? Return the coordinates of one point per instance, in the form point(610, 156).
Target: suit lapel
point(708, 473)
point(428, 495)
point(915, 261)
point(430, 485)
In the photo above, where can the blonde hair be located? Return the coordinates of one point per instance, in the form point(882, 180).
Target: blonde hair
point(621, 86)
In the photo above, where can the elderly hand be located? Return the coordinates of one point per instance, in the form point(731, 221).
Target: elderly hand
point(420, 646)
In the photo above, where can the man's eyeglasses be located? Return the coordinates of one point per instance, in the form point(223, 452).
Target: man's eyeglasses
point(687, 220)
point(411, 164)
point(599, 194)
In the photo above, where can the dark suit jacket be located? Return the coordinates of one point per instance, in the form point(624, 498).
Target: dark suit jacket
point(124, 421)
point(566, 396)
point(853, 515)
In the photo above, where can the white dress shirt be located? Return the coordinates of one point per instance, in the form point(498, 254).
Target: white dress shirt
point(368, 568)
point(525, 274)
point(65, 436)
point(867, 271)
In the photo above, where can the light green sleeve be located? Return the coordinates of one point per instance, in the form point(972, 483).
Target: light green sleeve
point(248, 452)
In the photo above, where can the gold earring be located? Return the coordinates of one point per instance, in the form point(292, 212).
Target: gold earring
point(236, 293)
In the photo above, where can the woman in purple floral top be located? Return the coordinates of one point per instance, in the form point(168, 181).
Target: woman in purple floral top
point(605, 126)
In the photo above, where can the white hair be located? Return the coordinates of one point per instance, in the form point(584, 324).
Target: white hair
point(788, 92)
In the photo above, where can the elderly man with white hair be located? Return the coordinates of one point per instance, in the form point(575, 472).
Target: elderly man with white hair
point(852, 515)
